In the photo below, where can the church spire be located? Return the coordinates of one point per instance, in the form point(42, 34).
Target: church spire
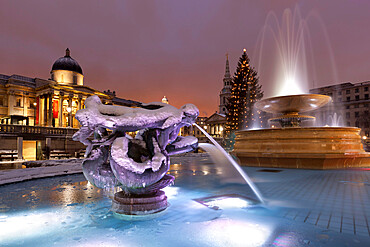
point(227, 69)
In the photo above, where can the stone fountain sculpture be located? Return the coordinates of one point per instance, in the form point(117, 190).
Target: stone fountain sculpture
point(294, 146)
point(138, 165)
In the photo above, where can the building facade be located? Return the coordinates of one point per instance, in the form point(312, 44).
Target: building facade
point(49, 102)
point(37, 115)
point(350, 106)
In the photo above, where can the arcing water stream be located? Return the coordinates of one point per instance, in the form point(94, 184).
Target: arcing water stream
point(234, 163)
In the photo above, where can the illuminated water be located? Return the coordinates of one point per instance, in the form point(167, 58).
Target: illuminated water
point(290, 64)
point(68, 211)
point(231, 160)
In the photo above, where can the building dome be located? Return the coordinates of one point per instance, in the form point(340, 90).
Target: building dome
point(66, 70)
point(67, 63)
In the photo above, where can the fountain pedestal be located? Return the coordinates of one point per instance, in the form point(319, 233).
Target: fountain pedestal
point(299, 147)
point(139, 205)
point(305, 148)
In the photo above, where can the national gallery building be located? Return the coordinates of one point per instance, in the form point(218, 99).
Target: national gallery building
point(37, 115)
point(49, 102)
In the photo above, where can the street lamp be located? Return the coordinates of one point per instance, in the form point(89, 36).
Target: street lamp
point(69, 109)
point(34, 119)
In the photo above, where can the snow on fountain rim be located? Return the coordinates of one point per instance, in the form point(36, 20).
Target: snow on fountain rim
point(121, 116)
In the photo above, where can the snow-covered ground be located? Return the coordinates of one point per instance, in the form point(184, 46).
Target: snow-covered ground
point(41, 169)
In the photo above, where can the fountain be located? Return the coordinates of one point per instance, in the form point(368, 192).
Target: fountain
point(293, 146)
point(137, 165)
point(335, 120)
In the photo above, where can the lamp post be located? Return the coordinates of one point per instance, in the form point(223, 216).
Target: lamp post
point(34, 109)
point(69, 109)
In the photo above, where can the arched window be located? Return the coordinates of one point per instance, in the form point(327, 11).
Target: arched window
point(74, 79)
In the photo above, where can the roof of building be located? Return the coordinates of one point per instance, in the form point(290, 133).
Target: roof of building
point(216, 118)
point(67, 63)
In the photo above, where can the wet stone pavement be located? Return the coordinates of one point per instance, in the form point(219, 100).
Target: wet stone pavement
point(311, 207)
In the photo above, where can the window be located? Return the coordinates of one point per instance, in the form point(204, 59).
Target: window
point(357, 114)
point(348, 115)
point(366, 89)
point(74, 79)
point(340, 93)
point(357, 97)
point(347, 107)
point(1, 101)
point(356, 90)
point(367, 96)
point(348, 91)
point(356, 105)
point(18, 102)
point(348, 98)
point(357, 124)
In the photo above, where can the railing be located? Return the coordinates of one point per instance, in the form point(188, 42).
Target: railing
point(25, 129)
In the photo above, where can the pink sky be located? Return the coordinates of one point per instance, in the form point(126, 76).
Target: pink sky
point(147, 49)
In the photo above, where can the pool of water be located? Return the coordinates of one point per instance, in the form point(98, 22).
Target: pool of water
point(69, 211)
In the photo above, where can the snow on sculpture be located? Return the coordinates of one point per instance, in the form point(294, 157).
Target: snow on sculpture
point(138, 165)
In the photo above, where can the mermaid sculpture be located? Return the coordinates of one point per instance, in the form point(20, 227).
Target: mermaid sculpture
point(138, 165)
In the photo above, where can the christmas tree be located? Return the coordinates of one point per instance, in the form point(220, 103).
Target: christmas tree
point(244, 93)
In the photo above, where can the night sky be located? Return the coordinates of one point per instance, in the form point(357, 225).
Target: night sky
point(147, 49)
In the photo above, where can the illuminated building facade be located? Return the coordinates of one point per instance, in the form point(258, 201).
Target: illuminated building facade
point(37, 115)
point(52, 102)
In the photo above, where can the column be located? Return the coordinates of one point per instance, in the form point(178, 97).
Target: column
point(26, 103)
point(79, 102)
point(48, 148)
point(50, 110)
point(70, 120)
point(45, 117)
point(60, 114)
point(20, 147)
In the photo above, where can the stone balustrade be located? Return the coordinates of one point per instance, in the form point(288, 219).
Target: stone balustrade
point(19, 130)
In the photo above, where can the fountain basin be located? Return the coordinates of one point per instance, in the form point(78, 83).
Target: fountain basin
point(305, 148)
point(293, 103)
point(290, 106)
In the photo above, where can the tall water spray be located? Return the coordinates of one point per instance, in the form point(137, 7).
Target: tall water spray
point(293, 56)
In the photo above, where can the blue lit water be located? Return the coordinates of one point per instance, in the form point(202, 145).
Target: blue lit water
point(68, 211)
